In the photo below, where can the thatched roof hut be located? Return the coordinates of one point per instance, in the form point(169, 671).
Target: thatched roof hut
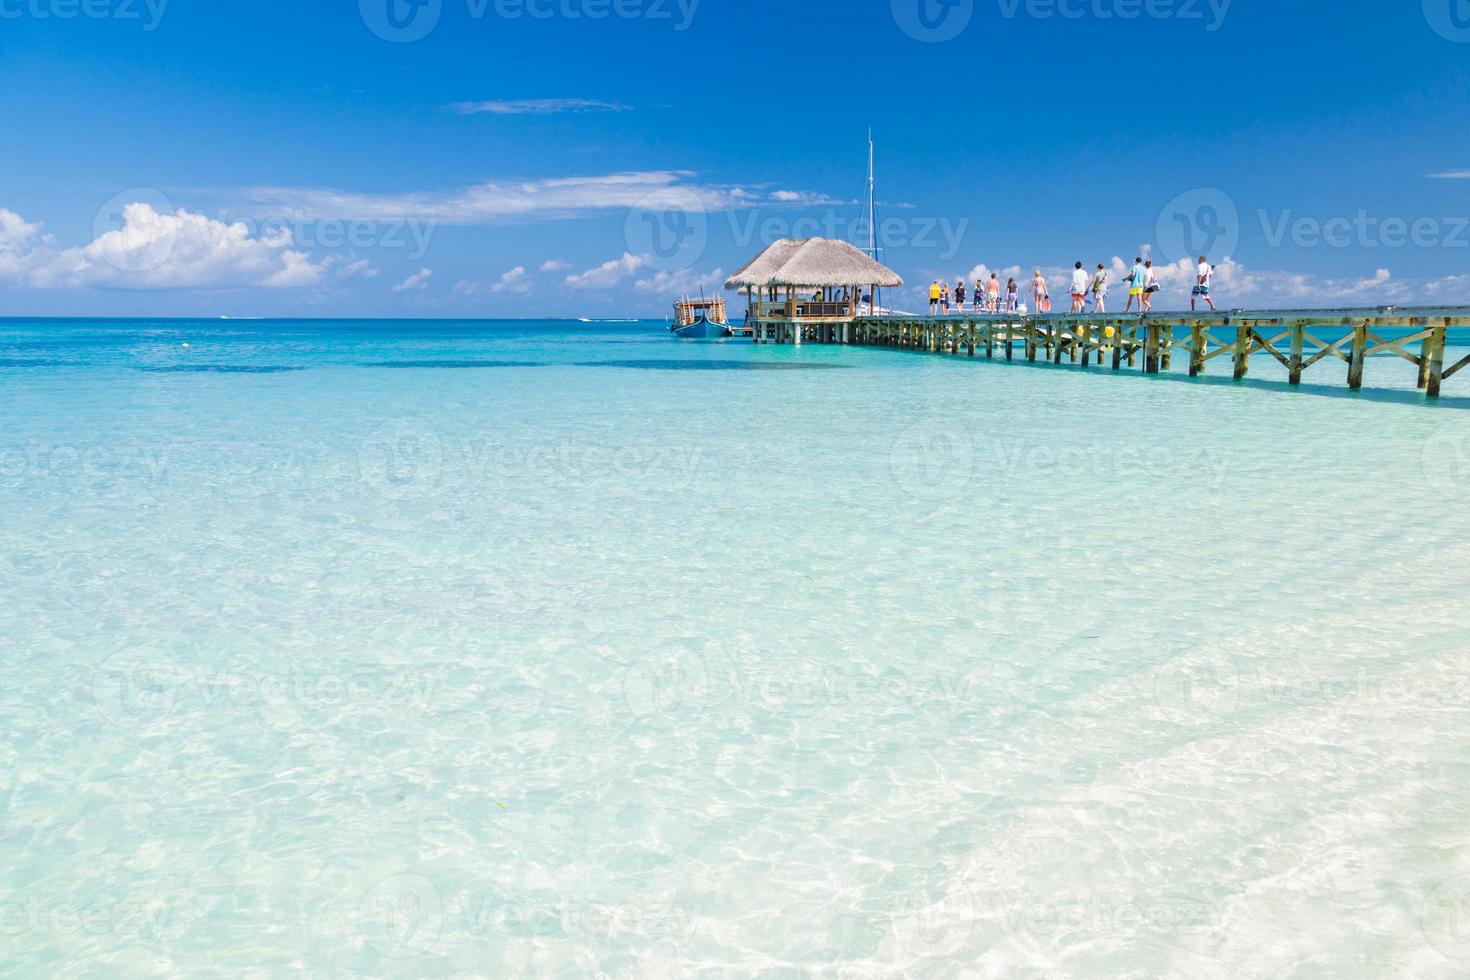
point(813, 263)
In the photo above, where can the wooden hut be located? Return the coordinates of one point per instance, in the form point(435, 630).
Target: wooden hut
point(812, 281)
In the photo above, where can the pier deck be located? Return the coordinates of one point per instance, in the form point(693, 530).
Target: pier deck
point(1297, 339)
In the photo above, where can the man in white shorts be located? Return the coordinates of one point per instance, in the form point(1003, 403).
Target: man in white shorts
point(1202, 284)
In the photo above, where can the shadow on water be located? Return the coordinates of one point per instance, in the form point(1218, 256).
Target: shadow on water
point(1391, 396)
point(656, 365)
point(222, 369)
point(649, 364)
point(455, 365)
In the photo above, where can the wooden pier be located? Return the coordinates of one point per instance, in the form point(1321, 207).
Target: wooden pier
point(1298, 339)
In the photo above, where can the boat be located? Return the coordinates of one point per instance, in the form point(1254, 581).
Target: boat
point(700, 319)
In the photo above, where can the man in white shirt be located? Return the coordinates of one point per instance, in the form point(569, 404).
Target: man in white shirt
point(1079, 288)
point(1202, 284)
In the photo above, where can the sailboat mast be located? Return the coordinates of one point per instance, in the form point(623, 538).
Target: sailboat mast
point(872, 205)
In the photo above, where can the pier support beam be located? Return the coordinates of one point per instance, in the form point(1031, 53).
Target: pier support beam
point(1360, 351)
point(1197, 348)
point(1243, 344)
point(1151, 349)
point(1298, 348)
point(1436, 361)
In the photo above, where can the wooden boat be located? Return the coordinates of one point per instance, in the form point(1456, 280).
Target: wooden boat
point(700, 319)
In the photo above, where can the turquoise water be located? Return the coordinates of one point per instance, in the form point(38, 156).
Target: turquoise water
point(466, 649)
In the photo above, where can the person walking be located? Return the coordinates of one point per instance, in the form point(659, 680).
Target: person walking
point(1136, 280)
point(1150, 286)
point(959, 295)
point(1013, 295)
point(992, 294)
point(944, 299)
point(1203, 275)
point(1100, 289)
point(1079, 288)
point(1039, 294)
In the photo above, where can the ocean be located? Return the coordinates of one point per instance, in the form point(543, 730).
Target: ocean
point(438, 648)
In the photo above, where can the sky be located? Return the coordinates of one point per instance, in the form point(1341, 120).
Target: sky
point(601, 158)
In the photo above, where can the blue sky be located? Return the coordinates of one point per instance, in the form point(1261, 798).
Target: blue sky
point(599, 157)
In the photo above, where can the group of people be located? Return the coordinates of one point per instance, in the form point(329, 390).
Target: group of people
point(1143, 283)
point(987, 297)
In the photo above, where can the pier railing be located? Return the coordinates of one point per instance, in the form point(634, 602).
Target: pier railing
point(1297, 339)
point(798, 309)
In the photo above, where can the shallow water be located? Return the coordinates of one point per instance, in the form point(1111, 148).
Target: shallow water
point(458, 649)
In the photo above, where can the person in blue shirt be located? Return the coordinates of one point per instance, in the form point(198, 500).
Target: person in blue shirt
point(1136, 283)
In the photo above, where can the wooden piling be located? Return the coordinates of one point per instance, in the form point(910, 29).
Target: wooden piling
point(1436, 360)
point(1298, 347)
point(1243, 346)
point(1359, 353)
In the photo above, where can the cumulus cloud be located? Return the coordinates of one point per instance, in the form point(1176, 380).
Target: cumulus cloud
point(684, 282)
point(154, 250)
point(537, 107)
point(608, 274)
point(554, 265)
point(514, 281)
point(418, 281)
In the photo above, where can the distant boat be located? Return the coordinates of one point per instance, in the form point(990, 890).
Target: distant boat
point(700, 319)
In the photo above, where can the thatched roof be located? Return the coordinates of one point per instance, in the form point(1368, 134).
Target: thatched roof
point(814, 262)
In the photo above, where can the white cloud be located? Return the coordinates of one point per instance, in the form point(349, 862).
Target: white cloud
point(361, 268)
point(608, 274)
point(554, 265)
point(514, 281)
point(419, 280)
point(537, 107)
point(151, 250)
point(684, 282)
point(525, 200)
point(1452, 175)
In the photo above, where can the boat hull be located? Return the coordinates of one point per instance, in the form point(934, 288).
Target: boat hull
point(702, 329)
